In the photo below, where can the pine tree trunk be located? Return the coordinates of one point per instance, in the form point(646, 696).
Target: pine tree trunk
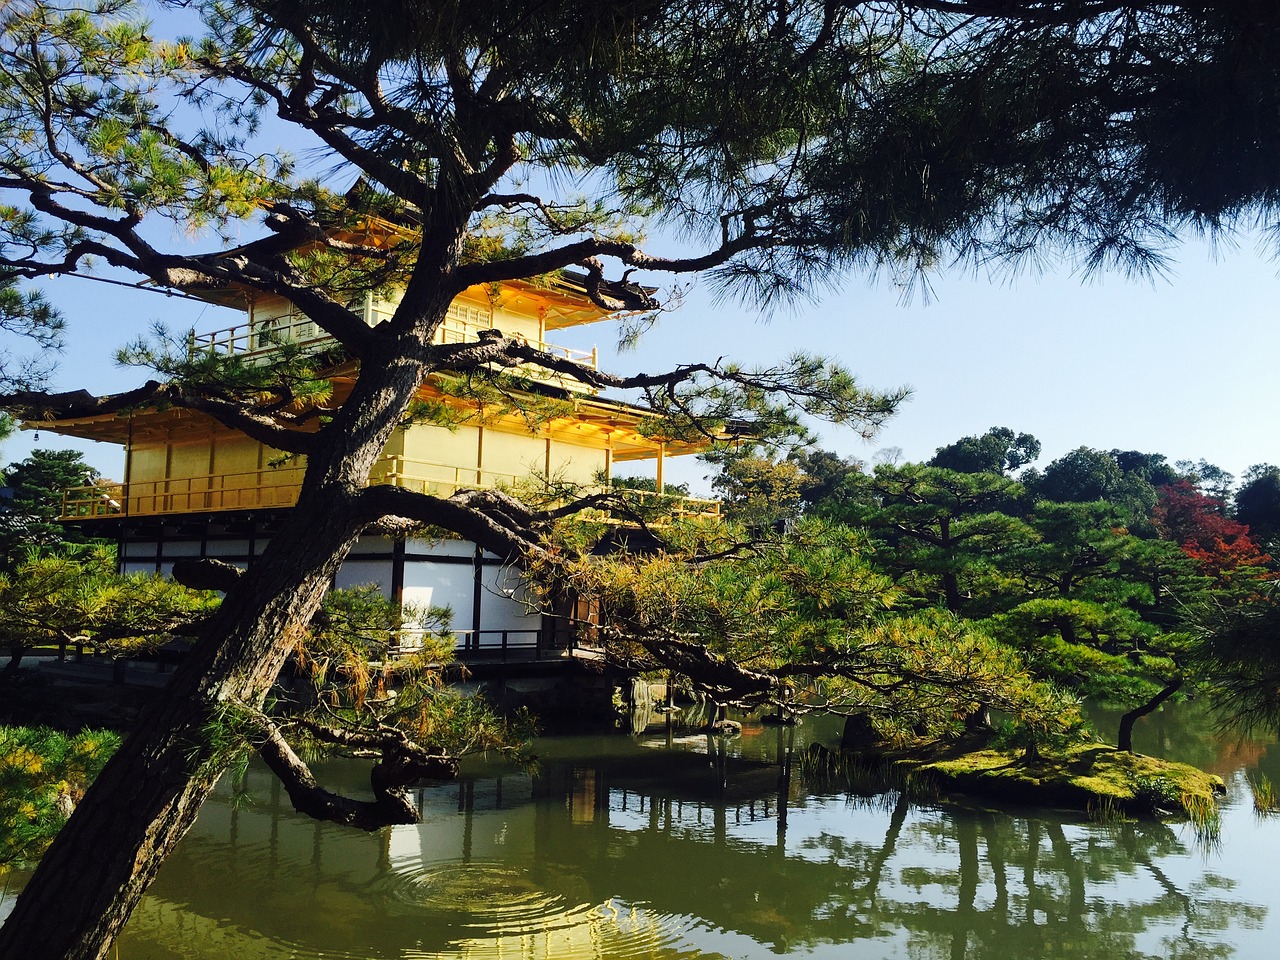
point(148, 795)
point(10, 669)
point(950, 582)
point(1125, 738)
point(951, 588)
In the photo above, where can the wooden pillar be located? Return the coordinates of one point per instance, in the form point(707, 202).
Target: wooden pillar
point(662, 449)
point(128, 477)
point(477, 595)
point(208, 484)
point(168, 469)
point(398, 553)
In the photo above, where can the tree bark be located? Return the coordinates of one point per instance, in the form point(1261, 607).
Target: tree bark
point(1124, 739)
point(10, 669)
point(148, 795)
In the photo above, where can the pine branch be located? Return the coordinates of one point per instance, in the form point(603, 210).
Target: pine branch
point(41, 406)
point(263, 427)
point(618, 295)
point(206, 574)
point(75, 404)
point(819, 388)
point(496, 521)
point(402, 764)
point(324, 123)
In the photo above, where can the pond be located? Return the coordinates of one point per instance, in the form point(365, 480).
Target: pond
point(677, 845)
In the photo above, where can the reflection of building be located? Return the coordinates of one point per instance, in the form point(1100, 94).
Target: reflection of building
point(194, 488)
point(621, 848)
point(505, 866)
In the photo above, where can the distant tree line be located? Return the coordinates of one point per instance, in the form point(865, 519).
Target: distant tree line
point(1114, 574)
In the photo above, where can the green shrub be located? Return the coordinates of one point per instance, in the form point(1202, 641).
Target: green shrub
point(43, 775)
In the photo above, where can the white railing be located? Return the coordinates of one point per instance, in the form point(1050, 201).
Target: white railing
point(253, 340)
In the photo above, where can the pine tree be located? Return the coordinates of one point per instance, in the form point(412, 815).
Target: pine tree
point(782, 142)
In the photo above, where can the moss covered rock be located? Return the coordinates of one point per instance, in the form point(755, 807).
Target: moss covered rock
point(1089, 777)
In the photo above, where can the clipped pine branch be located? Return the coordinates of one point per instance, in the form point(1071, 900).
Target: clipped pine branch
point(206, 573)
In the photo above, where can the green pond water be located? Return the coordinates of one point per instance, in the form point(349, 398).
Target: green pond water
point(682, 846)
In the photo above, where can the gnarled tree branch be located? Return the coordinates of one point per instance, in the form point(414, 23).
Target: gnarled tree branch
point(496, 521)
point(403, 763)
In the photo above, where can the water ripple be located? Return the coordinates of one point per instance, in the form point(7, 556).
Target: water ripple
point(495, 907)
point(486, 893)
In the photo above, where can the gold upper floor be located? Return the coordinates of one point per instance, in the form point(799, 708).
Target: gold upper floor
point(179, 461)
point(522, 310)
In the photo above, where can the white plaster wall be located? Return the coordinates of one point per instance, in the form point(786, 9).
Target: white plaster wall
point(504, 605)
point(449, 585)
point(358, 573)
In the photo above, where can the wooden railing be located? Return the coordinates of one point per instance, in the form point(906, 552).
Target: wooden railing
point(252, 490)
point(278, 487)
point(252, 340)
point(443, 480)
point(530, 643)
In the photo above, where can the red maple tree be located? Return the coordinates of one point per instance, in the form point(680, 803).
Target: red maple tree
point(1200, 525)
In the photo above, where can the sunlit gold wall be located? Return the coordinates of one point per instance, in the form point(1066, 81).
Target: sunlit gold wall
point(198, 467)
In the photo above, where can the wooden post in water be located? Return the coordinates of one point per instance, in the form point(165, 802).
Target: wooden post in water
point(784, 783)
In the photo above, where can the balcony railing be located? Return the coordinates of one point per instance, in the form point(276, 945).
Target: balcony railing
point(442, 480)
point(252, 490)
point(250, 341)
point(530, 643)
point(438, 479)
point(278, 487)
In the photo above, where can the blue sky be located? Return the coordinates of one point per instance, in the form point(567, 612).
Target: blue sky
point(1183, 366)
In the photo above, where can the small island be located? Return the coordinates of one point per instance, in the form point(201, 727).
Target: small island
point(1093, 778)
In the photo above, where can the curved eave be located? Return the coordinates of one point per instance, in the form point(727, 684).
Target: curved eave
point(139, 427)
point(588, 421)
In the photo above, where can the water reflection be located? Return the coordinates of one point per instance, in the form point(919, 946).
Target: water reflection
point(680, 846)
